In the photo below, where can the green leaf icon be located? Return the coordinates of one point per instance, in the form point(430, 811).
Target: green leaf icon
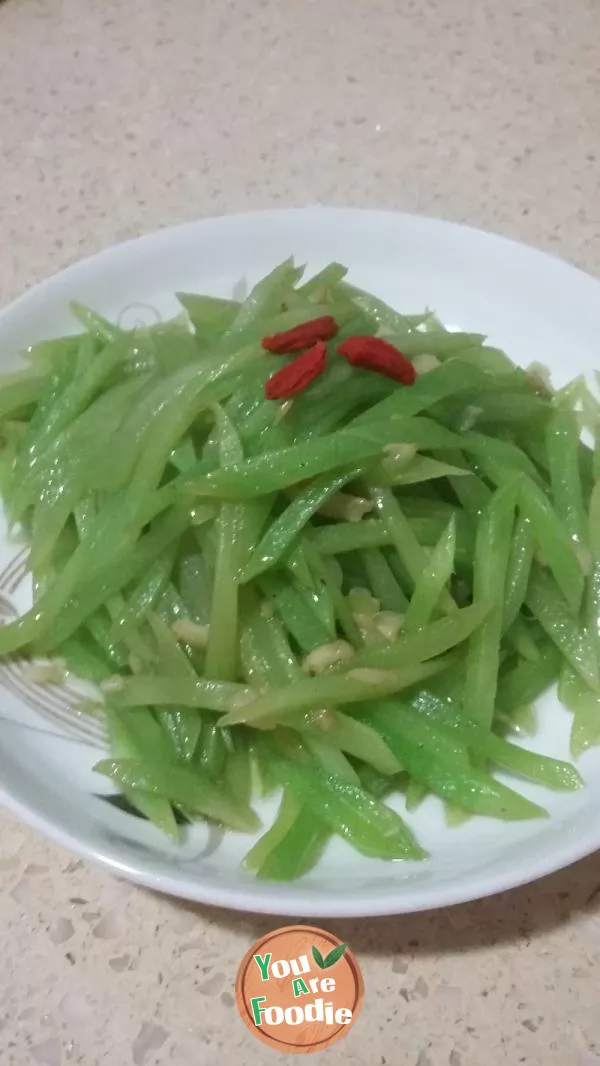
point(332, 958)
point(316, 954)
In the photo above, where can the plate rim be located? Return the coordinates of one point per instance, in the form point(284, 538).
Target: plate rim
point(304, 904)
point(274, 214)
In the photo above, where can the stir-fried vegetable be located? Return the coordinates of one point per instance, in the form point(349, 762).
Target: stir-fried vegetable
point(355, 591)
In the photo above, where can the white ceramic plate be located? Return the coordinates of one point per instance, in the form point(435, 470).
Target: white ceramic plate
point(528, 303)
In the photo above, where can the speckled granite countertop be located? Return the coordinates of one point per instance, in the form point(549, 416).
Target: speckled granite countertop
point(117, 116)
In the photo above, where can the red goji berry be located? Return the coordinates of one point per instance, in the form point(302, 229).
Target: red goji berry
point(294, 378)
point(373, 353)
point(294, 340)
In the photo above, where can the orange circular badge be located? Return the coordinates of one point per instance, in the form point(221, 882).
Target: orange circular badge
point(299, 989)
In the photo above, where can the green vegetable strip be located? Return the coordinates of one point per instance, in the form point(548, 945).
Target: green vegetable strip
point(318, 418)
point(523, 682)
point(360, 740)
point(297, 565)
point(593, 589)
point(266, 297)
point(54, 386)
point(449, 380)
point(554, 543)
point(489, 577)
point(473, 493)
point(289, 809)
point(164, 347)
point(275, 470)
point(326, 279)
point(175, 418)
point(557, 548)
point(46, 356)
point(416, 792)
point(48, 630)
point(433, 580)
point(74, 398)
point(271, 649)
point(585, 705)
point(324, 391)
point(38, 619)
point(251, 661)
point(335, 539)
point(288, 318)
point(518, 570)
point(280, 535)
point(8, 453)
point(570, 687)
point(99, 327)
point(171, 607)
point(350, 536)
point(562, 447)
point(550, 772)
point(183, 726)
point(68, 466)
point(19, 391)
point(209, 315)
point(84, 658)
point(169, 403)
point(398, 570)
point(298, 852)
point(455, 816)
point(380, 785)
point(573, 692)
point(421, 469)
point(278, 647)
point(326, 569)
point(293, 854)
point(425, 643)
point(296, 611)
point(99, 626)
point(412, 554)
point(324, 606)
point(333, 690)
point(519, 637)
point(329, 757)
point(233, 540)
point(296, 839)
point(441, 342)
point(143, 598)
point(195, 583)
point(144, 690)
point(238, 771)
point(595, 427)
point(417, 747)
point(492, 360)
point(439, 741)
point(211, 753)
point(137, 736)
point(384, 316)
point(500, 459)
point(522, 721)
point(384, 586)
point(509, 406)
point(554, 615)
point(180, 786)
point(366, 823)
point(585, 732)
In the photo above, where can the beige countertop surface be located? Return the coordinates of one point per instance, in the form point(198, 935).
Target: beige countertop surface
point(118, 116)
